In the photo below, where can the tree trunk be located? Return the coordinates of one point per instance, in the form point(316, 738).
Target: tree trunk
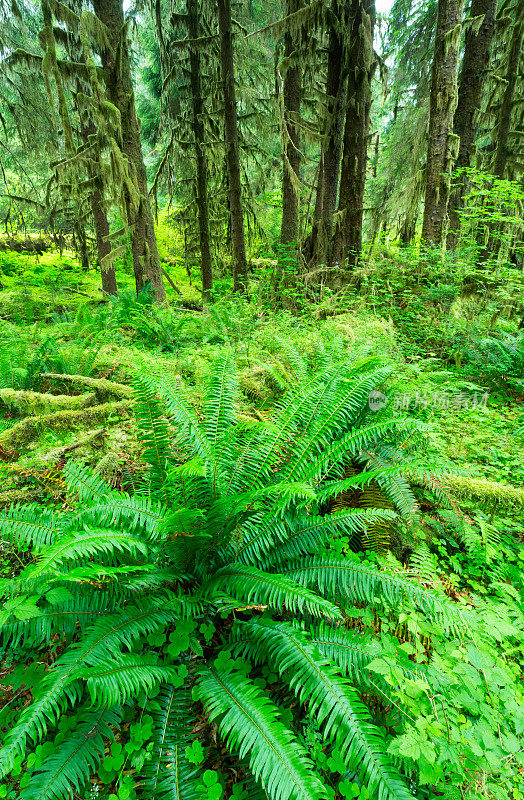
point(240, 283)
point(502, 129)
point(102, 242)
point(347, 243)
point(201, 167)
point(100, 221)
point(115, 60)
point(475, 66)
point(329, 168)
point(291, 92)
point(500, 136)
point(442, 142)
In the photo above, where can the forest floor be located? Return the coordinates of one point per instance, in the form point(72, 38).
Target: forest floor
point(58, 338)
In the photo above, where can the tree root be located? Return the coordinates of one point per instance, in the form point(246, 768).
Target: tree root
point(24, 432)
point(104, 389)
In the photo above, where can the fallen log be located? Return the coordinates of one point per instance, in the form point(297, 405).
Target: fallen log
point(103, 388)
point(36, 403)
point(25, 431)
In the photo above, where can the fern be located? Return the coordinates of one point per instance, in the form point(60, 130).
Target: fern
point(250, 724)
point(334, 576)
point(331, 700)
point(70, 767)
point(155, 432)
point(169, 775)
point(244, 525)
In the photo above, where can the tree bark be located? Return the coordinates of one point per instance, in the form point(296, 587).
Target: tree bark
point(103, 244)
point(475, 67)
point(291, 95)
point(442, 142)
point(500, 135)
point(240, 282)
point(329, 167)
point(201, 166)
point(503, 126)
point(347, 243)
point(115, 60)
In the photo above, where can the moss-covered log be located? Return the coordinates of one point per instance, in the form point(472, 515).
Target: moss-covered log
point(35, 404)
point(105, 390)
point(24, 432)
point(490, 494)
point(24, 495)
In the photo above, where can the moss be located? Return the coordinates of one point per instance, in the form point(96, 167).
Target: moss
point(24, 432)
point(487, 493)
point(104, 390)
point(35, 404)
point(24, 495)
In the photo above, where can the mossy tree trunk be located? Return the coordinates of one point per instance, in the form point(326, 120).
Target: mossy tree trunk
point(347, 242)
point(291, 98)
point(236, 210)
point(103, 244)
point(473, 74)
point(502, 130)
point(115, 60)
point(442, 142)
point(329, 167)
point(500, 136)
point(201, 166)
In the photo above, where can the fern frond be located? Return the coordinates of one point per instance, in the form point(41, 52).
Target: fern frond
point(350, 444)
point(336, 576)
point(332, 701)
point(250, 724)
point(81, 546)
point(64, 618)
point(139, 512)
point(155, 432)
point(58, 687)
point(114, 682)
point(395, 485)
point(377, 533)
point(342, 413)
point(352, 652)
point(85, 482)
point(169, 775)
point(184, 419)
point(316, 533)
point(222, 390)
point(252, 586)
point(32, 524)
point(70, 766)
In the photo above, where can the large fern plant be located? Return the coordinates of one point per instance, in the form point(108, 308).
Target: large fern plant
point(231, 553)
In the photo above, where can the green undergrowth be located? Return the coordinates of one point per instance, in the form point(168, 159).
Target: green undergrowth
point(454, 374)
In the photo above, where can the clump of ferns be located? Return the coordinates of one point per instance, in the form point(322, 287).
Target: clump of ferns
point(233, 533)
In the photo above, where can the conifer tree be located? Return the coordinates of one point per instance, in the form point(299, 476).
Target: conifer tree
point(347, 244)
point(291, 87)
point(201, 166)
point(115, 59)
point(510, 103)
point(442, 141)
point(236, 209)
point(331, 147)
point(473, 78)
